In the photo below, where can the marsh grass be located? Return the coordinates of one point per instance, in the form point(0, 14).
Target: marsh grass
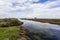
point(9, 33)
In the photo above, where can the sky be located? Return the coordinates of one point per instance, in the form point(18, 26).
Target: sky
point(29, 8)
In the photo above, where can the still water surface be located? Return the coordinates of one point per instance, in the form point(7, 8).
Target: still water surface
point(47, 28)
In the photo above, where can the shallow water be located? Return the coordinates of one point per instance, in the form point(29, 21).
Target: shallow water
point(39, 25)
point(47, 28)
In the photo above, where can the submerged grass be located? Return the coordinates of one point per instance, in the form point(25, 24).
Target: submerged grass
point(9, 33)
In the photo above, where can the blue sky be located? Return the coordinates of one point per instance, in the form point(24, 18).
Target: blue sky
point(30, 8)
point(41, 1)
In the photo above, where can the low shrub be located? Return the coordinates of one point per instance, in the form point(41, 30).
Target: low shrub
point(10, 22)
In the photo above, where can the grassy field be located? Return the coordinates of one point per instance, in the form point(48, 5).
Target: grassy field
point(52, 21)
point(11, 29)
point(9, 33)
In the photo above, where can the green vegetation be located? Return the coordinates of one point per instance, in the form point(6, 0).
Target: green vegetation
point(9, 33)
point(9, 22)
point(12, 33)
point(52, 21)
point(11, 29)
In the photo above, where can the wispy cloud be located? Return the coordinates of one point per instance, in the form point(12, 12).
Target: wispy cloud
point(30, 8)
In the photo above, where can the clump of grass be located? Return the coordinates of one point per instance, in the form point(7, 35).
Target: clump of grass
point(9, 33)
point(7, 22)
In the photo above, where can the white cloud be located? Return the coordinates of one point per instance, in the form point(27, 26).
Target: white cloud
point(2, 3)
point(25, 8)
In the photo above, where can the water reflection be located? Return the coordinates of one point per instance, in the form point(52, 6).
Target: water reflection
point(51, 31)
point(38, 25)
